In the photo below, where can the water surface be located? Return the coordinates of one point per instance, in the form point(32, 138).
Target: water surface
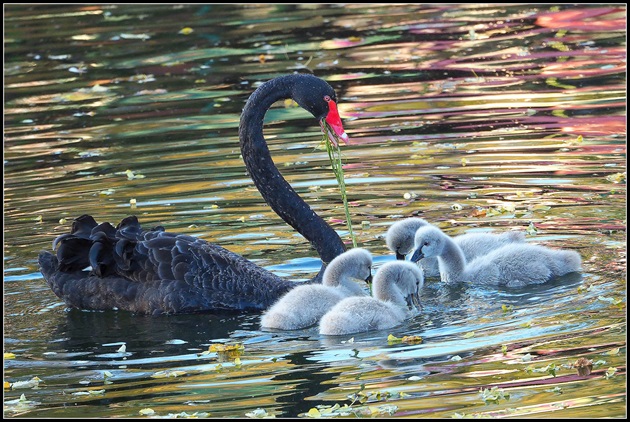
point(476, 118)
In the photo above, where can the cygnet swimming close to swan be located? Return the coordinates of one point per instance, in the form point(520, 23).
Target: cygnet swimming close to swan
point(304, 305)
point(395, 290)
point(400, 240)
point(512, 265)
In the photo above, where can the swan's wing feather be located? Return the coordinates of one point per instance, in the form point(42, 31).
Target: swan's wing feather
point(153, 271)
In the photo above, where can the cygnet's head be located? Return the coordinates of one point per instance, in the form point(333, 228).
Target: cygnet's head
point(400, 235)
point(353, 264)
point(428, 242)
point(406, 276)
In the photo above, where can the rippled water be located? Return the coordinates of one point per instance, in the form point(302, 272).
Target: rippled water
point(474, 117)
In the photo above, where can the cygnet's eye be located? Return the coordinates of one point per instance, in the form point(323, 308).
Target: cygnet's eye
point(425, 243)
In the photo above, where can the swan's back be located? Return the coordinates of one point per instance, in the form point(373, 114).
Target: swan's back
point(360, 314)
point(521, 264)
point(395, 282)
point(478, 244)
point(153, 271)
point(304, 305)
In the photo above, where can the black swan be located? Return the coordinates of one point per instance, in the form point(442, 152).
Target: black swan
point(154, 271)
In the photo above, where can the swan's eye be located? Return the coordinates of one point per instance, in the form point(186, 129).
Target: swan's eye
point(425, 244)
point(327, 98)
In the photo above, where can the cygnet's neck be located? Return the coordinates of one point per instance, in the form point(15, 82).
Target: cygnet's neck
point(452, 261)
point(337, 274)
point(385, 289)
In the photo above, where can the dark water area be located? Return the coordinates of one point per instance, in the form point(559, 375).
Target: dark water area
point(475, 117)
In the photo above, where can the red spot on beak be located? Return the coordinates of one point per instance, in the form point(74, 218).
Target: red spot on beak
point(334, 121)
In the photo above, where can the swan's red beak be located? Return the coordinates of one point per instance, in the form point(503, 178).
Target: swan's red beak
point(334, 122)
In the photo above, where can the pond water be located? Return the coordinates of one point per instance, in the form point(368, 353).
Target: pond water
point(474, 117)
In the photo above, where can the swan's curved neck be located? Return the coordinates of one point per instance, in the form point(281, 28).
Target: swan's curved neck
point(452, 261)
point(273, 187)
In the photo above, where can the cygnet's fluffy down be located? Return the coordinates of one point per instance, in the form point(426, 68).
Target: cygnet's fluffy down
point(304, 305)
point(396, 287)
point(512, 265)
point(400, 240)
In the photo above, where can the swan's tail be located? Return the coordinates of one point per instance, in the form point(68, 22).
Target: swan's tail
point(48, 265)
point(568, 262)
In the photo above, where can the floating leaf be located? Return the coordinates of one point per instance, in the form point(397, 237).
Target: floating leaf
point(551, 369)
point(583, 289)
point(89, 393)
point(456, 358)
point(314, 413)
point(531, 229)
point(610, 372)
point(134, 36)
point(122, 349)
point(260, 414)
point(612, 352)
point(392, 339)
point(493, 395)
point(617, 177)
point(169, 373)
point(32, 383)
point(186, 31)
point(411, 339)
point(131, 175)
point(147, 412)
point(478, 212)
point(540, 207)
point(507, 308)
point(9, 355)
point(555, 390)
point(469, 334)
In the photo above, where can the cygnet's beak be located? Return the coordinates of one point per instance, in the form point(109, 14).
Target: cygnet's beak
point(400, 256)
point(413, 302)
point(368, 280)
point(417, 255)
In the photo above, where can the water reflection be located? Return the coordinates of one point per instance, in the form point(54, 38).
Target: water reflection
point(474, 117)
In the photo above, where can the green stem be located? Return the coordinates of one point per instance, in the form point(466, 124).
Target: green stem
point(334, 154)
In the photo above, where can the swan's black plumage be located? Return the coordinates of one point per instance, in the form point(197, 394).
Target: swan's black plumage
point(153, 271)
